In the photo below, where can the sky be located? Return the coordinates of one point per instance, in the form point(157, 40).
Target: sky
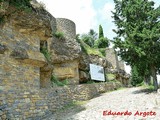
point(86, 14)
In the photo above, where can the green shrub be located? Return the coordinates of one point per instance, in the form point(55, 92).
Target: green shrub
point(59, 35)
point(55, 81)
point(103, 51)
point(101, 43)
point(21, 4)
point(45, 52)
point(110, 76)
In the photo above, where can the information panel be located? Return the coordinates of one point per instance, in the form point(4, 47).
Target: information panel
point(97, 72)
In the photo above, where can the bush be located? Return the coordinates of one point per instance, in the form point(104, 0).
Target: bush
point(21, 4)
point(55, 81)
point(101, 43)
point(59, 35)
point(46, 54)
point(103, 51)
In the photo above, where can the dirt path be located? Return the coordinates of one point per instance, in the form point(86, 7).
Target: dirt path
point(131, 103)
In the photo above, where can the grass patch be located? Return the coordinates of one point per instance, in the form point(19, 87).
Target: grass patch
point(55, 81)
point(148, 87)
point(110, 76)
point(46, 54)
point(90, 82)
point(103, 51)
point(59, 35)
point(111, 81)
point(89, 50)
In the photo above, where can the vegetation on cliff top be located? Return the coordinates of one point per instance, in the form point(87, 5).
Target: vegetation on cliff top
point(22, 5)
point(93, 44)
point(19, 4)
point(89, 50)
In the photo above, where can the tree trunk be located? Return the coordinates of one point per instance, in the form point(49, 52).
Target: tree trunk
point(154, 75)
point(147, 80)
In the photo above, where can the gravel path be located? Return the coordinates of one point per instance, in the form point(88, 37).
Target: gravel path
point(140, 104)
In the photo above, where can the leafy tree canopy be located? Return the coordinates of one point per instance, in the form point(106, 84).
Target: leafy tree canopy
point(138, 33)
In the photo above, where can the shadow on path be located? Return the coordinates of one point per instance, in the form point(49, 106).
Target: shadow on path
point(67, 111)
point(144, 90)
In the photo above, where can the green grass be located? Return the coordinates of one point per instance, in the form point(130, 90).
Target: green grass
point(103, 51)
point(110, 76)
point(89, 50)
point(46, 54)
point(90, 82)
point(149, 87)
point(114, 81)
point(55, 81)
point(59, 35)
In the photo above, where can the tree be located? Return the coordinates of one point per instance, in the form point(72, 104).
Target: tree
point(101, 32)
point(101, 43)
point(136, 78)
point(90, 38)
point(138, 33)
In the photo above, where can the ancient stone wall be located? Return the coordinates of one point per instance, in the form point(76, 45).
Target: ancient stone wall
point(19, 68)
point(38, 103)
point(66, 26)
point(67, 71)
point(121, 65)
point(111, 56)
point(65, 52)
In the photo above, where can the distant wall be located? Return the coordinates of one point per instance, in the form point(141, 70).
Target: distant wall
point(111, 56)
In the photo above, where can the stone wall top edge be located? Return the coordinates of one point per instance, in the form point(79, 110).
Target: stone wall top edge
point(66, 19)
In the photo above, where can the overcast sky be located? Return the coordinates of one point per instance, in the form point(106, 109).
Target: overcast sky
point(87, 14)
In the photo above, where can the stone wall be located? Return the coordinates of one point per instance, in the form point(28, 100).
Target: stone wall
point(66, 26)
point(121, 65)
point(68, 71)
point(19, 68)
point(38, 103)
point(111, 56)
point(65, 52)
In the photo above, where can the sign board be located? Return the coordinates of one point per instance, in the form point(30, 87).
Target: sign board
point(97, 72)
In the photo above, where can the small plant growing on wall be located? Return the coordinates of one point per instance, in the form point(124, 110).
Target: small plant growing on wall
point(59, 35)
point(57, 82)
point(46, 54)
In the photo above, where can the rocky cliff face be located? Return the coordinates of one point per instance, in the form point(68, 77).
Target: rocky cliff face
point(66, 49)
point(24, 36)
